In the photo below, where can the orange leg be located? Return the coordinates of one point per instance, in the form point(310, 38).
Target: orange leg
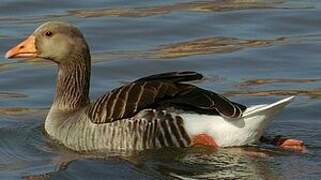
point(204, 139)
point(286, 143)
point(282, 142)
point(291, 144)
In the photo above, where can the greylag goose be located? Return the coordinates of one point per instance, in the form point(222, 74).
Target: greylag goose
point(156, 111)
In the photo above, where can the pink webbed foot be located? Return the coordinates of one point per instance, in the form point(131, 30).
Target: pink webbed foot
point(291, 144)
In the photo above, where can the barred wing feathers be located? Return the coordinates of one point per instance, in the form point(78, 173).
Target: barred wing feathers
point(161, 90)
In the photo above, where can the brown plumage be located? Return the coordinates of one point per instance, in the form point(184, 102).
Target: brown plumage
point(161, 91)
point(144, 114)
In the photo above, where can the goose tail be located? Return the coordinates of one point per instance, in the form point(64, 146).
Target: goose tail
point(267, 109)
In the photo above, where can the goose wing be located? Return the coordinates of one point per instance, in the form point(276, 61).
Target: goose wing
point(161, 91)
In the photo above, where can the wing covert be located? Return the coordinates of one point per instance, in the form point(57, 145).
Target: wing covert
point(160, 91)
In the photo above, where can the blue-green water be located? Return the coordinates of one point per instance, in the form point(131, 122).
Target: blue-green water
point(253, 51)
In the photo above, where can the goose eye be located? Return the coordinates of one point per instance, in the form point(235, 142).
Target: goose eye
point(48, 33)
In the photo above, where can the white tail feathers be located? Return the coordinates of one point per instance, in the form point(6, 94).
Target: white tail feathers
point(268, 109)
point(234, 132)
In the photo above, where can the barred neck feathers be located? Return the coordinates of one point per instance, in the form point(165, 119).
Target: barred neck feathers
point(72, 91)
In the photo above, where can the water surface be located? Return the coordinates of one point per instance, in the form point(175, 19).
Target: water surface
point(253, 51)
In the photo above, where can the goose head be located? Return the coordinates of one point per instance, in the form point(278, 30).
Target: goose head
point(59, 42)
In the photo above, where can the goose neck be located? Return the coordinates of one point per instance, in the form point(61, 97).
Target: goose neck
point(72, 91)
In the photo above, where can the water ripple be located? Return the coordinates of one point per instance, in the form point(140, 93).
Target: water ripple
point(312, 93)
point(256, 82)
point(194, 6)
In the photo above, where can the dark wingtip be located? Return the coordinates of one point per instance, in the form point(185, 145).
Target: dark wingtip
point(190, 75)
point(173, 77)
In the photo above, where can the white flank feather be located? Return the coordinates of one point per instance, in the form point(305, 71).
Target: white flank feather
point(234, 132)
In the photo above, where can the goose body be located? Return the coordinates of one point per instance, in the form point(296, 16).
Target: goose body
point(151, 129)
point(161, 110)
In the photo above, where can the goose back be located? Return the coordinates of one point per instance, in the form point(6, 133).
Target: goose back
point(161, 91)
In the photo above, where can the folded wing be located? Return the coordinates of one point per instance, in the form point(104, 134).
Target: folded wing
point(161, 91)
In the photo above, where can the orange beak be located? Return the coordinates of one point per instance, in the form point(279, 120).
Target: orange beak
point(26, 49)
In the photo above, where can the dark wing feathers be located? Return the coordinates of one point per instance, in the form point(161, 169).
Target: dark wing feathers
point(127, 100)
point(161, 90)
point(172, 77)
point(197, 99)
